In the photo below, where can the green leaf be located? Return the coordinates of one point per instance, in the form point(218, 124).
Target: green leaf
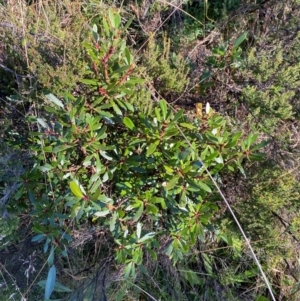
point(251, 139)
point(129, 106)
point(260, 145)
point(46, 167)
point(58, 287)
point(146, 237)
point(50, 282)
point(171, 184)
point(55, 100)
point(152, 253)
point(128, 56)
point(101, 134)
point(152, 148)
point(163, 106)
point(171, 132)
point(113, 220)
point(187, 125)
point(128, 270)
point(51, 256)
point(152, 208)
point(239, 41)
point(204, 186)
point(219, 160)
point(116, 108)
point(138, 213)
point(256, 156)
point(104, 154)
point(75, 189)
point(102, 213)
point(139, 230)
point(103, 198)
point(112, 18)
point(117, 20)
point(91, 82)
point(138, 256)
point(80, 211)
point(261, 298)
point(38, 237)
point(95, 33)
point(42, 122)
point(177, 116)
point(128, 123)
point(106, 27)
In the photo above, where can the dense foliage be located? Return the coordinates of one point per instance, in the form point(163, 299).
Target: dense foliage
point(102, 178)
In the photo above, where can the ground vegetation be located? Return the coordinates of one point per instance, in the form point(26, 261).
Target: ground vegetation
point(120, 120)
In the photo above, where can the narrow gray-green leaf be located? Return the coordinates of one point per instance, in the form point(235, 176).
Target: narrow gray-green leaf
point(58, 287)
point(42, 122)
point(55, 100)
point(146, 237)
point(50, 282)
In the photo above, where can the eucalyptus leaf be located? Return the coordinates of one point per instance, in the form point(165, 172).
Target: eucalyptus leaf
point(50, 282)
point(55, 100)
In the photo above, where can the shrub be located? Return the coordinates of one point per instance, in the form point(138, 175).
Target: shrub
point(270, 216)
point(167, 70)
point(271, 91)
point(137, 175)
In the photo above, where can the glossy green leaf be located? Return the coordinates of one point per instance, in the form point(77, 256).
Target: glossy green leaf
point(116, 109)
point(76, 189)
point(102, 133)
point(102, 213)
point(187, 125)
point(128, 123)
point(152, 148)
point(106, 156)
point(47, 167)
point(138, 213)
point(151, 208)
point(146, 237)
point(204, 186)
point(171, 184)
